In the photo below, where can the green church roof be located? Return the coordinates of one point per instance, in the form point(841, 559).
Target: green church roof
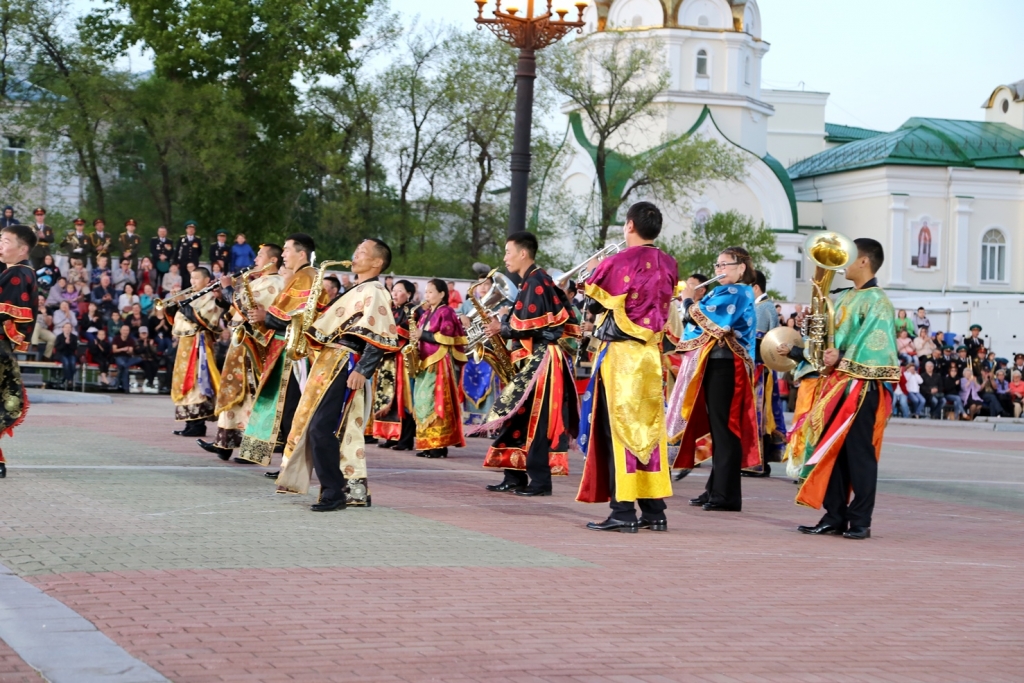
point(924, 142)
point(835, 132)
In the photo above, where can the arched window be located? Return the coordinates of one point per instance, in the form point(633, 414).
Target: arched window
point(702, 21)
point(993, 256)
point(746, 70)
point(702, 63)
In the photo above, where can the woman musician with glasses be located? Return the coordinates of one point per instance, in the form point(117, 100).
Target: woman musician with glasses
point(714, 391)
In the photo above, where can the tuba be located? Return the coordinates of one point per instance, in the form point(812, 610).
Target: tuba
point(296, 344)
point(830, 252)
point(496, 353)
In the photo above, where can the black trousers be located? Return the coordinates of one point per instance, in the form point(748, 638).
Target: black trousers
point(538, 463)
point(407, 439)
point(292, 395)
point(322, 434)
point(857, 468)
point(625, 510)
point(723, 487)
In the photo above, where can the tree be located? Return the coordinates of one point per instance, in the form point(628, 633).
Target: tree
point(698, 251)
point(613, 81)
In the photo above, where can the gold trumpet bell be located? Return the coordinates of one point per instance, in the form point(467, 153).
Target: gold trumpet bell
point(830, 250)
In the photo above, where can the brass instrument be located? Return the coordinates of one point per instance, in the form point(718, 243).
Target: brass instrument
point(411, 351)
point(296, 344)
point(562, 279)
point(681, 285)
point(245, 300)
point(496, 354)
point(185, 296)
point(830, 252)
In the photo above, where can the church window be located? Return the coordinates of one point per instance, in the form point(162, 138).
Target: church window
point(638, 21)
point(746, 70)
point(702, 63)
point(993, 256)
point(702, 20)
point(1006, 106)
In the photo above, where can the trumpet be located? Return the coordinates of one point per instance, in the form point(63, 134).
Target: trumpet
point(185, 296)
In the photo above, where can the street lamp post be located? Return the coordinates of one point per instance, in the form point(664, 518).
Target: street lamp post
point(529, 33)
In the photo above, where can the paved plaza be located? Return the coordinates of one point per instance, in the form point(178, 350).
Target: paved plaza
point(133, 556)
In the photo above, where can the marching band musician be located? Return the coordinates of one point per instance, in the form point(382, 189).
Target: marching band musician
point(17, 296)
point(715, 388)
point(130, 243)
point(278, 390)
point(622, 428)
point(394, 421)
point(841, 449)
point(353, 334)
point(764, 382)
point(479, 382)
point(537, 411)
point(442, 350)
point(44, 238)
point(674, 333)
point(100, 240)
point(77, 244)
point(245, 358)
point(195, 379)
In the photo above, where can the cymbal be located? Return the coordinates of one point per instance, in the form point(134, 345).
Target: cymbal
point(770, 348)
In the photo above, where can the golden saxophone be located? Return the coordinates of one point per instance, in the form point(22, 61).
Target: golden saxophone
point(296, 344)
point(245, 300)
point(411, 351)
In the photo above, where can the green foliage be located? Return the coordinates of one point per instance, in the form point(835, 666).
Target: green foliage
point(697, 251)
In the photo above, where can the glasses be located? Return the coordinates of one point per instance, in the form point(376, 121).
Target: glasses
point(719, 266)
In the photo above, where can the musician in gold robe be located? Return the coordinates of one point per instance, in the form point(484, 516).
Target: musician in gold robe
point(195, 379)
point(352, 336)
point(247, 354)
point(279, 387)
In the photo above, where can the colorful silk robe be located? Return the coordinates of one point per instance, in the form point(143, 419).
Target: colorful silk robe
point(392, 385)
point(363, 312)
point(243, 366)
point(195, 380)
point(764, 386)
point(635, 288)
point(262, 433)
point(724, 317)
point(436, 396)
point(544, 369)
point(866, 338)
point(17, 296)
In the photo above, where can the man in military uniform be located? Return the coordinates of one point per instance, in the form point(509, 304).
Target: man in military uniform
point(101, 241)
point(77, 244)
point(44, 238)
point(130, 244)
point(221, 250)
point(974, 341)
point(161, 248)
point(189, 249)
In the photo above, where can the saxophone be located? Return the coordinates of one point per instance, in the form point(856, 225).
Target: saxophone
point(245, 300)
point(411, 351)
point(296, 344)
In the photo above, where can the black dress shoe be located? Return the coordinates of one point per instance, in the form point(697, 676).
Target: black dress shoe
point(328, 505)
point(699, 501)
point(533, 492)
point(387, 444)
point(210, 447)
point(504, 487)
point(614, 525)
point(858, 533)
point(718, 507)
point(396, 447)
point(822, 529)
point(435, 453)
point(681, 474)
point(271, 475)
point(653, 524)
point(421, 454)
point(182, 432)
point(748, 473)
point(3, 470)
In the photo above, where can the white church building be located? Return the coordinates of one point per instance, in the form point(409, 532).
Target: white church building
point(944, 197)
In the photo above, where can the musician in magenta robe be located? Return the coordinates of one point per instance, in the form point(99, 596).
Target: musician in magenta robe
point(622, 427)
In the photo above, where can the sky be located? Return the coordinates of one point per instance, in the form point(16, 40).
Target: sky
point(882, 61)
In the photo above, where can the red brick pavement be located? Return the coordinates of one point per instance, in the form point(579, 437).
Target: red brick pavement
point(13, 668)
point(935, 596)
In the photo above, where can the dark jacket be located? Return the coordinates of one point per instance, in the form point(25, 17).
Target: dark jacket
point(65, 347)
point(930, 381)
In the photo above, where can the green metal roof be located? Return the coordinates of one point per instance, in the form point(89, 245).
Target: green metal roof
point(835, 132)
point(924, 142)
